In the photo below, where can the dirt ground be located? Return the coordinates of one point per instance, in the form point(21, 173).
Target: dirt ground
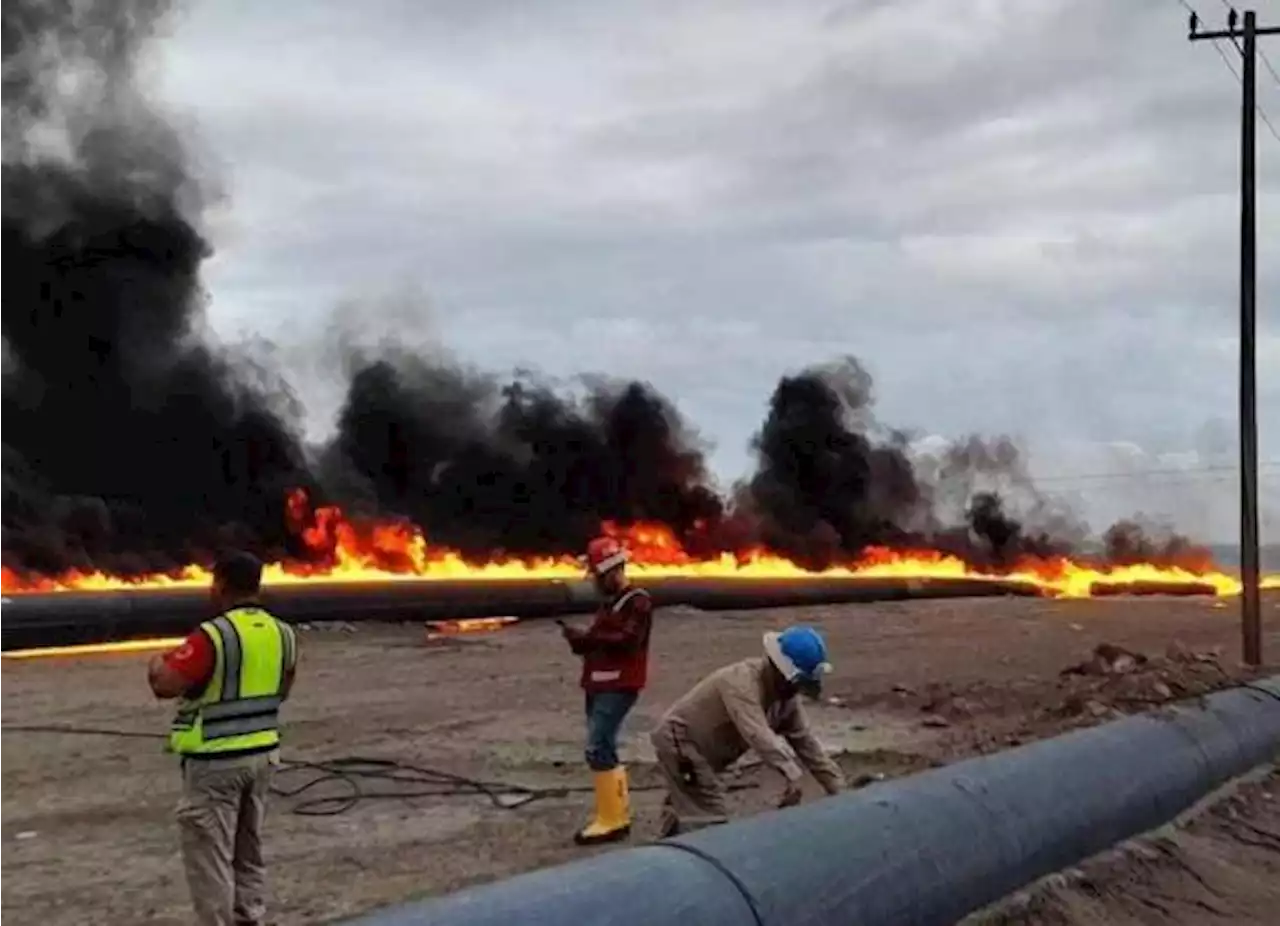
point(1221, 866)
point(88, 833)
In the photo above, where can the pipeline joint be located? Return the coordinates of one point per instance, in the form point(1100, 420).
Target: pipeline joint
point(719, 867)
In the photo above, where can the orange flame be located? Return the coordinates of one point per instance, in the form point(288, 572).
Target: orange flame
point(340, 550)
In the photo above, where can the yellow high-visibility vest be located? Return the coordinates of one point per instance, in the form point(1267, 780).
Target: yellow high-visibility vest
point(239, 710)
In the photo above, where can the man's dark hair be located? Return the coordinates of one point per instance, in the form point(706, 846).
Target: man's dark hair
point(239, 573)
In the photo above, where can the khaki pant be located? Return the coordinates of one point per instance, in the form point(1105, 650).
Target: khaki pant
point(695, 793)
point(220, 822)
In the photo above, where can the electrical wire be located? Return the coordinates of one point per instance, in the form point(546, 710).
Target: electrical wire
point(1266, 62)
point(1124, 481)
point(1190, 472)
point(403, 780)
point(80, 731)
point(364, 778)
point(1262, 113)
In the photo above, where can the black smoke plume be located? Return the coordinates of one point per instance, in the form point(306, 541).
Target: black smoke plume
point(824, 486)
point(1139, 540)
point(133, 443)
point(985, 476)
point(484, 465)
point(129, 444)
point(830, 482)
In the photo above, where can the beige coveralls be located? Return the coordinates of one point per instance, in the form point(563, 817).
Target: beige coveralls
point(730, 711)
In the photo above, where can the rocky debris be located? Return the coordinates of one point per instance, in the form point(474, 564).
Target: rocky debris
point(948, 705)
point(1178, 652)
point(1107, 659)
point(683, 610)
point(1112, 682)
point(1123, 681)
point(329, 627)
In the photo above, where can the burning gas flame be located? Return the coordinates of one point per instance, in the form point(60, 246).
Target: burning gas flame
point(387, 551)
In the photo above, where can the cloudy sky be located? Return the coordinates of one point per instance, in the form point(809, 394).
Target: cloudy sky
point(1021, 215)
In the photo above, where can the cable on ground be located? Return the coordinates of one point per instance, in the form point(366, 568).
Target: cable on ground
point(365, 778)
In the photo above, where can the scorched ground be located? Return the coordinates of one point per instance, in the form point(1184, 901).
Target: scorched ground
point(88, 833)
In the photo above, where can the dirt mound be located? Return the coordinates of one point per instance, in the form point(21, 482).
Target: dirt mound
point(1114, 678)
point(1111, 682)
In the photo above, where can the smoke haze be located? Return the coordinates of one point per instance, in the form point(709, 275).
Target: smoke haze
point(133, 443)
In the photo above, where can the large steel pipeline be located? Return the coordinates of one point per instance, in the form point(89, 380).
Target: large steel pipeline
point(919, 851)
point(64, 618)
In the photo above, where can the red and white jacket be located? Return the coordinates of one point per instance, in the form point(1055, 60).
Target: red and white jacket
point(615, 648)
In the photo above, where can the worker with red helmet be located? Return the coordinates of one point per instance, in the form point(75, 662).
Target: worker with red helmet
point(615, 657)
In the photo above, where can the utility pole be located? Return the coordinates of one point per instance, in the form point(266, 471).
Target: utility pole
point(1245, 40)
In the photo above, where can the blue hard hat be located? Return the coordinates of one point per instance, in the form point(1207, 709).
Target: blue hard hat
point(799, 653)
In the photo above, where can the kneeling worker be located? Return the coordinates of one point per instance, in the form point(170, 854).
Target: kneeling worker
point(751, 704)
point(615, 658)
point(231, 674)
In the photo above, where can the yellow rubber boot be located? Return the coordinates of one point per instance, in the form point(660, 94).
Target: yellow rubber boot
point(612, 820)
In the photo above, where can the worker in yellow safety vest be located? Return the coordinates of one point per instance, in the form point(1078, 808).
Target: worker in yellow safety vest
point(231, 676)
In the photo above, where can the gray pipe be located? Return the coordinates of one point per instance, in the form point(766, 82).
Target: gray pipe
point(60, 618)
point(918, 851)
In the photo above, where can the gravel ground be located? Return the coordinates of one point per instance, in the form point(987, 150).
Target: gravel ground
point(87, 829)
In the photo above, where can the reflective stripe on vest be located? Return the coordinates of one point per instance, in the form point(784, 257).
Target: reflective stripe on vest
point(239, 710)
point(625, 597)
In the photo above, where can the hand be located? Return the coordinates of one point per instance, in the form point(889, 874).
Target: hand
point(573, 636)
point(154, 665)
point(791, 795)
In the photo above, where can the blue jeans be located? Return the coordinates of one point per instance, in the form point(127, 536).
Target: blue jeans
point(605, 712)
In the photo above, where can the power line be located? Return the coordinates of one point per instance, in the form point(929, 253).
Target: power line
point(1172, 471)
point(1188, 472)
point(1231, 11)
point(1262, 113)
point(1248, 33)
point(1227, 61)
point(1167, 485)
point(1266, 63)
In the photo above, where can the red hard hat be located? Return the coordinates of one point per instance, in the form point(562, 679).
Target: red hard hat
point(604, 554)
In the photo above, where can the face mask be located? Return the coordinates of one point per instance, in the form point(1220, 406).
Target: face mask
point(810, 688)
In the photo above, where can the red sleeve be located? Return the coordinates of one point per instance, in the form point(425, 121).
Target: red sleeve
point(194, 659)
point(628, 630)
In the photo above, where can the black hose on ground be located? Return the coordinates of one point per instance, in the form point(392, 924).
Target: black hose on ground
point(397, 779)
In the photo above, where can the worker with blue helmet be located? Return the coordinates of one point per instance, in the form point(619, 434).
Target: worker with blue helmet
point(800, 655)
point(753, 704)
